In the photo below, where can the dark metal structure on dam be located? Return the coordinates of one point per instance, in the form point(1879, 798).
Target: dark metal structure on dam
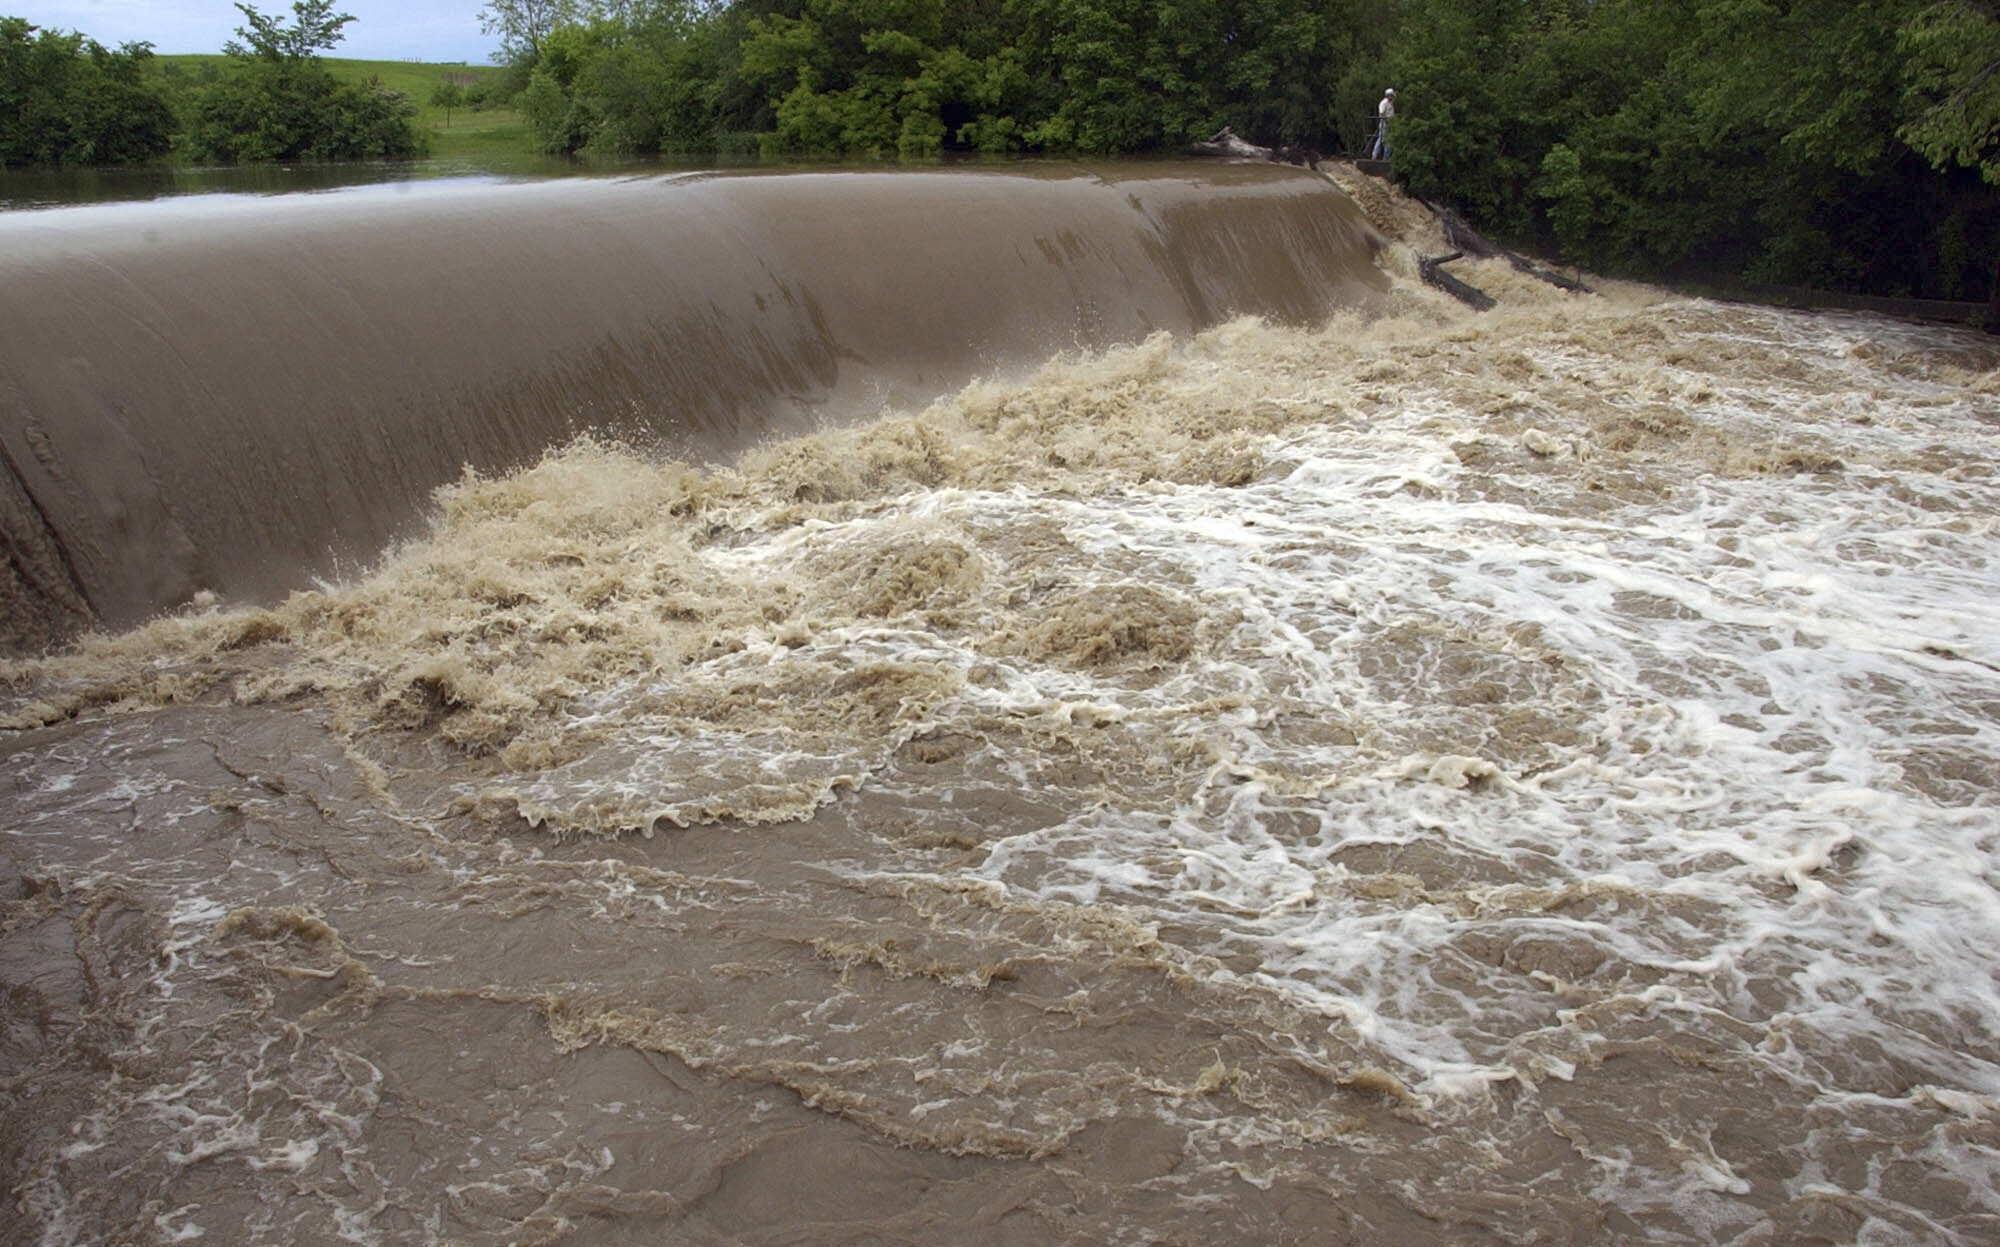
point(235, 393)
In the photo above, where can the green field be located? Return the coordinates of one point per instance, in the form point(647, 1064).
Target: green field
point(473, 137)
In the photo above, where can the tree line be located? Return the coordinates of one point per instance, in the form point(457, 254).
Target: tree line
point(67, 100)
point(919, 78)
point(1844, 144)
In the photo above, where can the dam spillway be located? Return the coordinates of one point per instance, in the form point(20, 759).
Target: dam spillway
point(236, 394)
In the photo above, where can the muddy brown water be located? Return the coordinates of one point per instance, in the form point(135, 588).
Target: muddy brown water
point(1361, 771)
point(231, 393)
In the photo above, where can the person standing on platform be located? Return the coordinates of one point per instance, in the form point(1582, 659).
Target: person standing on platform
point(1385, 112)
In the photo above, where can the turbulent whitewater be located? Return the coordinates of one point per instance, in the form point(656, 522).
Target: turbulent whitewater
point(1394, 774)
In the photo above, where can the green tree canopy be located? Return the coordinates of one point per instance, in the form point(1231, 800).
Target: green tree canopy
point(65, 100)
point(1771, 140)
point(278, 101)
point(315, 29)
point(523, 24)
point(1953, 84)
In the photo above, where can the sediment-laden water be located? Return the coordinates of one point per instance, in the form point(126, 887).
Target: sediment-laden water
point(227, 394)
point(1420, 776)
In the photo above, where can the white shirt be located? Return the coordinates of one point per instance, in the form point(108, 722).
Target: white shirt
point(1386, 109)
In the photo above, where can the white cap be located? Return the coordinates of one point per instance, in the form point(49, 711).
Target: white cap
point(1390, 91)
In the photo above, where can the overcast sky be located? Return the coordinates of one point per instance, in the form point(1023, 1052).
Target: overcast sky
point(382, 30)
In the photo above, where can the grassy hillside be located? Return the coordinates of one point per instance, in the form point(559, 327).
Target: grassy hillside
point(466, 135)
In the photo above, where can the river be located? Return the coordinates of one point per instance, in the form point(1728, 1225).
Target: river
point(1372, 772)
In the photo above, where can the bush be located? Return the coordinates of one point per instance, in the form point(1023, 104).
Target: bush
point(65, 100)
point(265, 111)
point(276, 100)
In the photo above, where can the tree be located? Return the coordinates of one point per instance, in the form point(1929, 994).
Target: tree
point(315, 29)
point(1465, 130)
point(1091, 56)
point(65, 100)
point(1954, 84)
point(448, 94)
point(1760, 140)
point(872, 76)
point(523, 25)
point(276, 99)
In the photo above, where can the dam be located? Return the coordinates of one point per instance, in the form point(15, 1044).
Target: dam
point(235, 394)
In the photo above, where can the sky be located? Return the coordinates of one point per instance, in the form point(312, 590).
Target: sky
point(382, 30)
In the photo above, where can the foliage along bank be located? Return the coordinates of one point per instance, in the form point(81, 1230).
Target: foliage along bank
point(1844, 144)
point(66, 100)
point(917, 78)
